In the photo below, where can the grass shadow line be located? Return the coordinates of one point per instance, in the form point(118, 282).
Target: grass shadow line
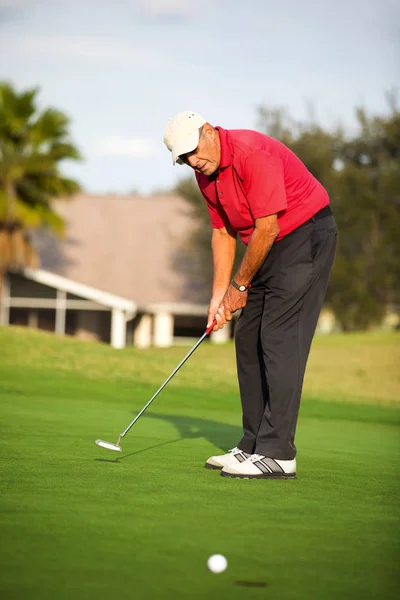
point(117, 460)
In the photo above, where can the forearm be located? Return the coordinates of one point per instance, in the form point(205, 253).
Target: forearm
point(257, 250)
point(223, 249)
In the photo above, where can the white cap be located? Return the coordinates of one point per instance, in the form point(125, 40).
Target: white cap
point(181, 135)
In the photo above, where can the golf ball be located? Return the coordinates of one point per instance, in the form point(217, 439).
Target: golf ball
point(217, 563)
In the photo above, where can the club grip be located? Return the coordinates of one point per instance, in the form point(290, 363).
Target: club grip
point(213, 324)
point(209, 329)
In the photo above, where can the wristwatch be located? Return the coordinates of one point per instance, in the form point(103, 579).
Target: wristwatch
point(241, 288)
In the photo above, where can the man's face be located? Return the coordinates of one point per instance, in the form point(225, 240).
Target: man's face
point(206, 158)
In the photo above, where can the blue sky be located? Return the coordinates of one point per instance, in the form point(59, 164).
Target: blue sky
point(121, 68)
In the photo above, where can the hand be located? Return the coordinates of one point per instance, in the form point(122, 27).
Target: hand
point(214, 306)
point(232, 301)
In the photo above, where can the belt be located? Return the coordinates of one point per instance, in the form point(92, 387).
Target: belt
point(324, 212)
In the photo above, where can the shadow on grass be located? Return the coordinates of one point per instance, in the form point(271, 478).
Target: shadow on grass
point(117, 460)
point(221, 435)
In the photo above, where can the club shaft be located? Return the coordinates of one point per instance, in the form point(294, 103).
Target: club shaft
point(165, 383)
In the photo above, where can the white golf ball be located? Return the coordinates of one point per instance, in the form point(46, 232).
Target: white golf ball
point(217, 563)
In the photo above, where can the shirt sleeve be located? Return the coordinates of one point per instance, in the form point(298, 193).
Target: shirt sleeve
point(264, 184)
point(217, 216)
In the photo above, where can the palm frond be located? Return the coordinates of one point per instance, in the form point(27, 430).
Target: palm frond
point(32, 145)
point(63, 151)
point(50, 125)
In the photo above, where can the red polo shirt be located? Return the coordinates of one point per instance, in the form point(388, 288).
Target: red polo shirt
point(259, 176)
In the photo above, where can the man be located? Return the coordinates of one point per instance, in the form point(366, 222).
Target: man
point(256, 187)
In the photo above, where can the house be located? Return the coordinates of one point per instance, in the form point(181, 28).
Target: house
point(40, 299)
point(125, 245)
point(130, 246)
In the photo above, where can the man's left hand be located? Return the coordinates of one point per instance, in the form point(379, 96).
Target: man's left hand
point(231, 302)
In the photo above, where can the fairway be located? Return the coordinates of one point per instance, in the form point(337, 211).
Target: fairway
point(78, 522)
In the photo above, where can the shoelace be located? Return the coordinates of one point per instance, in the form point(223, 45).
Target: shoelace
point(251, 458)
point(254, 457)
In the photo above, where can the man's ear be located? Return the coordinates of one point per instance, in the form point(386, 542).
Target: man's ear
point(208, 129)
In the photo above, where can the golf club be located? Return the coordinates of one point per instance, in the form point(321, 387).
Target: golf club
point(116, 447)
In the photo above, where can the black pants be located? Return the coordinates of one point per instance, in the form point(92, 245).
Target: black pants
point(274, 334)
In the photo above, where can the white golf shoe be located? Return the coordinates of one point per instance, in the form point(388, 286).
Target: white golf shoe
point(232, 458)
point(258, 466)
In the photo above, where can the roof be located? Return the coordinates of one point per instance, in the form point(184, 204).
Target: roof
point(126, 245)
point(79, 289)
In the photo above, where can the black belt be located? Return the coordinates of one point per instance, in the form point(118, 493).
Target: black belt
point(321, 214)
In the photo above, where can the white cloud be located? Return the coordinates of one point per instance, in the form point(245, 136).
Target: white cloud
point(116, 145)
point(156, 8)
point(90, 48)
point(167, 8)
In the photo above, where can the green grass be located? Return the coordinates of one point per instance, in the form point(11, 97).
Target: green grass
point(78, 522)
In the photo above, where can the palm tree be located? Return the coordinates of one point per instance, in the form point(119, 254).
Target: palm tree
point(32, 145)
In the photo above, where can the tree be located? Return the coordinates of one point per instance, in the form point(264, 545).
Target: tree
point(32, 146)
point(366, 277)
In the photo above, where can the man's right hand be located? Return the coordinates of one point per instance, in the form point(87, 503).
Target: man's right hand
point(213, 311)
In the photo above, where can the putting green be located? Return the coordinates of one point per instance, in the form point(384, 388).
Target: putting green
point(78, 522)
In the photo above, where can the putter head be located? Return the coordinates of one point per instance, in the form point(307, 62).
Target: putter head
point(108, 445)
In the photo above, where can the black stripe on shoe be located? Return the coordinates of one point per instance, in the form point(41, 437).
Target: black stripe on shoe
point(271, 464)
point(263, 467)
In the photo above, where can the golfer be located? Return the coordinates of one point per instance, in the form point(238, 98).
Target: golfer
point(255, 187)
